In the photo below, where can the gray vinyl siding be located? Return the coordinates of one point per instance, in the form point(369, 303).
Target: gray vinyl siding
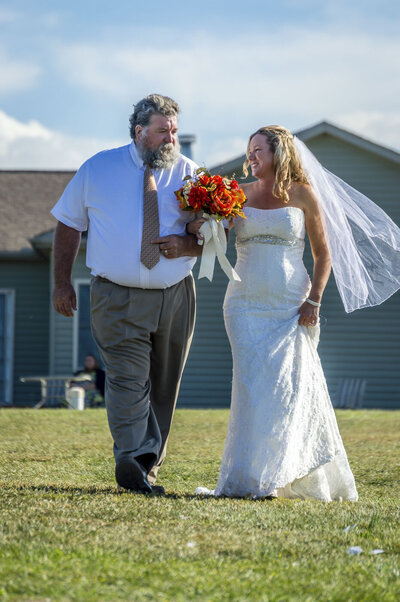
point(362, 344)
point(365, 343)
point(207, 377)
point(376, 177)
point(30, 282)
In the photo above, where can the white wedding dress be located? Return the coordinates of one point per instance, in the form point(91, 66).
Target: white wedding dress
point(282, 439)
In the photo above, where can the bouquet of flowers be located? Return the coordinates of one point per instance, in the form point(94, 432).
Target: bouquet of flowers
point(217, 198)
point(213, 195)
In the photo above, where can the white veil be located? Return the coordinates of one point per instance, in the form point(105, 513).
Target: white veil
point(364, 243)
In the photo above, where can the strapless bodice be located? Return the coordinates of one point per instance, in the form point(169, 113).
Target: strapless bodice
point(270, 246)
point(280, 225)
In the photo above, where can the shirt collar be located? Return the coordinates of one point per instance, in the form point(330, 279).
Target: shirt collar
point(136, 158)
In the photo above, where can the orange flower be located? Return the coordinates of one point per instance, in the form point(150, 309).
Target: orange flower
point(213, 195)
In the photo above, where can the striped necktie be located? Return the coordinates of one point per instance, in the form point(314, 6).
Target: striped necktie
point(150, 254)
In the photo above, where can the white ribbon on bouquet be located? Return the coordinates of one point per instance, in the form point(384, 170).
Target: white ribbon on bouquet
point(214, 245)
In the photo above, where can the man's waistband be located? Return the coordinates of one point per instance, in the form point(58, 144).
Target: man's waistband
point(102, 279)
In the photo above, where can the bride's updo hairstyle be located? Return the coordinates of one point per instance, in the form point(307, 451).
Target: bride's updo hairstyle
point(286, 162)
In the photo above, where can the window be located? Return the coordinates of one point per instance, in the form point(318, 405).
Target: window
point(6, 345)
point(83, 340)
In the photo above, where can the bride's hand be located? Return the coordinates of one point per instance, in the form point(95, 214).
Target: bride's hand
point(308, 314)
point(194, 227)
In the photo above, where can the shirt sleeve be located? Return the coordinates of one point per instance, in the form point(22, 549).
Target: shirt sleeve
point(71, 209)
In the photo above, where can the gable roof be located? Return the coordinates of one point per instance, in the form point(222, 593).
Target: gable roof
point(26, 198)
point(323, 127)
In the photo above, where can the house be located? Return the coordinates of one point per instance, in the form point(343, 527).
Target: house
point(35, 340)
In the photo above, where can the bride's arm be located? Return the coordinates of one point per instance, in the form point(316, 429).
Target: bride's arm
point(320, 253)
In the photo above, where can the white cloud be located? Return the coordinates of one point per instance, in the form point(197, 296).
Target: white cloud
point(228, 87)
point(12, 130)
point(16, 74)
point(33, 146)
point(288, 68)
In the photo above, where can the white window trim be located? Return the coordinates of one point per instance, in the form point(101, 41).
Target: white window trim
point(75, 333)
point(10, 325)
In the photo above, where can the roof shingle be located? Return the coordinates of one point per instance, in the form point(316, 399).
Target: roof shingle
point(26, 198)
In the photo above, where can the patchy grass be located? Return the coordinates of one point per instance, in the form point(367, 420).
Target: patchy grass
point(66, 534)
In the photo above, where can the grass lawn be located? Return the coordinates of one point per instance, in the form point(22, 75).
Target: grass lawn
point(66, 534)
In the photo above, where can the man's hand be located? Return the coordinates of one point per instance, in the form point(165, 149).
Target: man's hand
point(65, 249)
point(194, 226)
point(174, 246)
point(64, 300)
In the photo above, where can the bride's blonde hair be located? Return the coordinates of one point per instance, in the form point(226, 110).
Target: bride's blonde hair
point(286, 161)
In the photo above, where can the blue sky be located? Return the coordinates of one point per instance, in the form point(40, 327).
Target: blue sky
point(70, 72)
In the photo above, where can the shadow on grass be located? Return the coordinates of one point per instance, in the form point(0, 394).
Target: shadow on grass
point(91, 491)
point(60, 489)
point(96, 491)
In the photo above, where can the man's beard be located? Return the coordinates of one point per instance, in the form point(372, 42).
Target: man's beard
point(162, 157)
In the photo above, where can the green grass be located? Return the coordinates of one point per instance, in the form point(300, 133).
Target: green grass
point(66, 534)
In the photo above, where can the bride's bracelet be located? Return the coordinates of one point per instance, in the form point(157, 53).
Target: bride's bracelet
point(313, 303)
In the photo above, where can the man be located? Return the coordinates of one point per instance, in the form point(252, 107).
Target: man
point(142, 293)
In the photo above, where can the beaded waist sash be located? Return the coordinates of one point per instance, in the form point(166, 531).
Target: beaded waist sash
point(269, 239)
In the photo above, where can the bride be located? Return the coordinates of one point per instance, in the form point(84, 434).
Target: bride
point(283, 439)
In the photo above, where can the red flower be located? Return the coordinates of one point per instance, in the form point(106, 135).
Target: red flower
point(215, 195)
point(198, 197)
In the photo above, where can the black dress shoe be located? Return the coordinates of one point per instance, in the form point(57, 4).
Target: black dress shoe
point(129, 474)
point(157, 490)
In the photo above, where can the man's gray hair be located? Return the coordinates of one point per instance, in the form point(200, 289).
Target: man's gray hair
point(151, 105)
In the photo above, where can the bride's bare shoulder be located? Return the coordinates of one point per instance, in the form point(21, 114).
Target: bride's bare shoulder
point(300, 189)
point(302, 195)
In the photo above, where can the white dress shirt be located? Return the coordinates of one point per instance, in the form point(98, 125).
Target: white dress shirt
point(105, 197)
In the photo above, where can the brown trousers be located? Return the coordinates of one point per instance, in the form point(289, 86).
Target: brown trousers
point(143, 336)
